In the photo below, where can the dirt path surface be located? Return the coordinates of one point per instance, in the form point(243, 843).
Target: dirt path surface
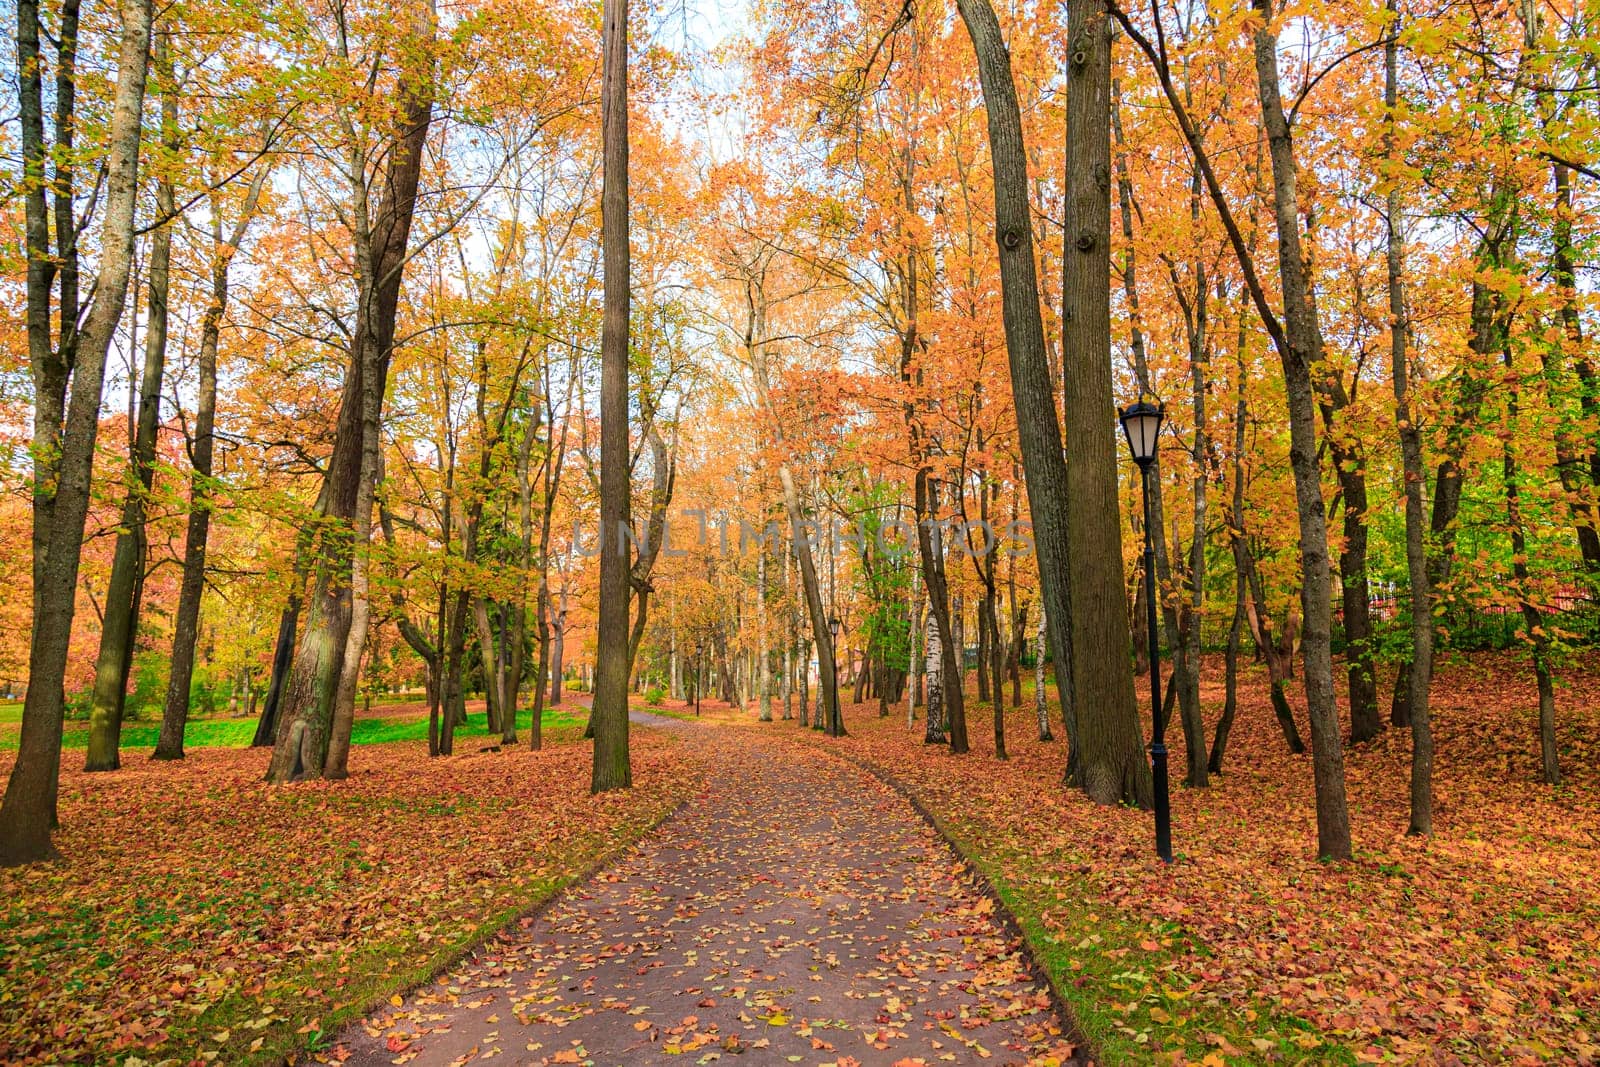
point(796, 912)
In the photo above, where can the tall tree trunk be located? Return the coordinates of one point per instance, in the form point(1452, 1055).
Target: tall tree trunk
point(609, 716)
point(489, 661)
point(335, 767)
point(1114, 766)
point(288, 621)
point(186, 625)
point(28, 813)
point(805, 684)
point(1111, 751)
point(1356, 597)
point(310, 693)
point(1242, 564)
point(1303, 352)
point(664, 476)
point(1191, 618)
point(513, 632)
point(992, 619)
point(1017, 610)
point(50, 364)
point(120, 616)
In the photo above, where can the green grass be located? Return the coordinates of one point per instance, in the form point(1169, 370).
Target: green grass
point(671, 713)
point(237, 733)
point(1125, 982)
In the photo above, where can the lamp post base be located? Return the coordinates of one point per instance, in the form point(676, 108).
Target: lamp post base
point(1158, 765)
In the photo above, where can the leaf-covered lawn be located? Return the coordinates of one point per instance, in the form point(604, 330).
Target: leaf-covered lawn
point(239, 732)
point(1482, 943)
point(202, 913)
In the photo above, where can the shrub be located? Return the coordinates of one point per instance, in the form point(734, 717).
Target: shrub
point(655, 695)
point(149, 685)
point(80, 704)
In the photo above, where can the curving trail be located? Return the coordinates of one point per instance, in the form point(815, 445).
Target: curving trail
point(796, 912)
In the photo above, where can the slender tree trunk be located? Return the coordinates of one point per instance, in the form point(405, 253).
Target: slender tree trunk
point(1356, 598)
point(28, 813)
point(1297, 338)
point(186, 626)
point(805, 684)
point(1418, 674)
point(120, 615)
point(1191, 618)
point(1300, 355)
point(491, 660)
point(609, 717)
point(999, 703)
point(1185, 666)
point(50, 364)
point(1549, 761)
point(513, 642)
point(1018, 611)
point(792, 663)
point(984, 695)
point(1242, 566)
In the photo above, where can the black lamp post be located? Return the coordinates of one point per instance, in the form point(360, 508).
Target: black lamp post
point(697, 679)
point(835, 720)
point(1141, 424)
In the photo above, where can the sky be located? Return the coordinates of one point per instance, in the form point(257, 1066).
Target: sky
point(696, 30)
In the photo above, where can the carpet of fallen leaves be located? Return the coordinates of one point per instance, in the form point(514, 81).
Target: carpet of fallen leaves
point(1480, 944)
point(202, 915)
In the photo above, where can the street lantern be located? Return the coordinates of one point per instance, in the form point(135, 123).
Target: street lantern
point(697, 679)
point(835, 727)
point(1141, 424)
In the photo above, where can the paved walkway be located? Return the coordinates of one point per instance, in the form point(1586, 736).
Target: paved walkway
point(798, 911)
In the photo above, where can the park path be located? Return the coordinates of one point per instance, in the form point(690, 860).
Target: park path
point(798, 910)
